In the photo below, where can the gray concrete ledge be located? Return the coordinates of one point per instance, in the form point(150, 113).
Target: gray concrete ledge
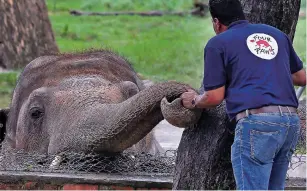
point(148, 181)
point(153, 181)
point(296, 184)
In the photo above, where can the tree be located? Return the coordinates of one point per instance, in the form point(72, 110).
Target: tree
point(203, 156)
point(25, 32)
point(282, 14)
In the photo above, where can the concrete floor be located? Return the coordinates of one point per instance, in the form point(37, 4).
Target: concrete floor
point(168, 135)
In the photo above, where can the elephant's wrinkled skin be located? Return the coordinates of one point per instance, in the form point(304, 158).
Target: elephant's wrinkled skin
point(89, 102)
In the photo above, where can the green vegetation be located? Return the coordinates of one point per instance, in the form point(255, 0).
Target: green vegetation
point(160, 48)
point(7, 84)
point(119, 5)
point(303, 4)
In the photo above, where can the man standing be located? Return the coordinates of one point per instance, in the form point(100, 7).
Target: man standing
point(254, 68)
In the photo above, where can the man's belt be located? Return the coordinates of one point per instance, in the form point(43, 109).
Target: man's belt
point(266, 109)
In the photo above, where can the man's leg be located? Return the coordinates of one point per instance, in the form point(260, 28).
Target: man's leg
point(278, 174)
point(283, 158)
point(257, 139)
point(249, 175)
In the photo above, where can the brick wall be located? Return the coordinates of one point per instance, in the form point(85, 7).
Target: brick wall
point(44, 186)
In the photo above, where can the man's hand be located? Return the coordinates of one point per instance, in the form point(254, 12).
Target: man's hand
point(187, 98)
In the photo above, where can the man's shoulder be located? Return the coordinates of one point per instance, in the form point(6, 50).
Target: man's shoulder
point(215, 42)
point(226, 36)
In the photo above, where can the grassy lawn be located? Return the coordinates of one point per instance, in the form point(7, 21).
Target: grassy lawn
point(160, 48)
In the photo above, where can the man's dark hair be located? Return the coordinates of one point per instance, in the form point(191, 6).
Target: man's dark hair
point(226, 11)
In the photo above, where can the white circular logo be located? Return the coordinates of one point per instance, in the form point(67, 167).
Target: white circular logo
point(262, 45)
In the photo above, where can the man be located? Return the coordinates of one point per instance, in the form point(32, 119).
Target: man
point(254, 68)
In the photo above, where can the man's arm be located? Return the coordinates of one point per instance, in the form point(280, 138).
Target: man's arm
point(296, 66)
point(299, 78)
point(210, 98)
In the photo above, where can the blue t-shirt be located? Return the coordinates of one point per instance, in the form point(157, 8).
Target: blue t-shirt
point(254, 62)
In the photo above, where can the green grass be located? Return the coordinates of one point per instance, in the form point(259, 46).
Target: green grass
point(119, 5)
point(300, 39)
point(303, 4)
point(168, 49)
point(7, 81)
point(160, 48)
point(7, 84)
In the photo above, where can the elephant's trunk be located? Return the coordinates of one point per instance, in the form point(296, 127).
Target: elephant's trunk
point(134, 118)
point(177, 115)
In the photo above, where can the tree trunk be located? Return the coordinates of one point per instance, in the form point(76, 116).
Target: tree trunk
point(203, 156)
point(25, 32)
point(282, 14)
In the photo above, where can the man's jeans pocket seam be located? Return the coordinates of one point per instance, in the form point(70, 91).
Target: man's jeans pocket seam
point(263, 146)
point(293, 145)
point(240, 121)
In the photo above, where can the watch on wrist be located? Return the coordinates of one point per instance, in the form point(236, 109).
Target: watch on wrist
point(194, 101)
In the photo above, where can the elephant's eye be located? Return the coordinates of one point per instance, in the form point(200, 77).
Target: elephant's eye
point(36, 113)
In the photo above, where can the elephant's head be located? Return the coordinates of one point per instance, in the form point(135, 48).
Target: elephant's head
point(90, 102)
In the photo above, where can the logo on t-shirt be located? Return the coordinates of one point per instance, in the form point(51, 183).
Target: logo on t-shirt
point(262, 45)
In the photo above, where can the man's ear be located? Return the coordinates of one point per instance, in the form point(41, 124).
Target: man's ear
point(216, 25)
point(215, 20)
point(3, 119)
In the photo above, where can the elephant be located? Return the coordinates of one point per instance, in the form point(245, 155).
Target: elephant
point(91, 101)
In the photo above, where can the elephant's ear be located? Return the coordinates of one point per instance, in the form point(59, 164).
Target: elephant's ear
point(3, 119)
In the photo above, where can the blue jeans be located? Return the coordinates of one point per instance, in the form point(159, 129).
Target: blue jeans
point(262, 149)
